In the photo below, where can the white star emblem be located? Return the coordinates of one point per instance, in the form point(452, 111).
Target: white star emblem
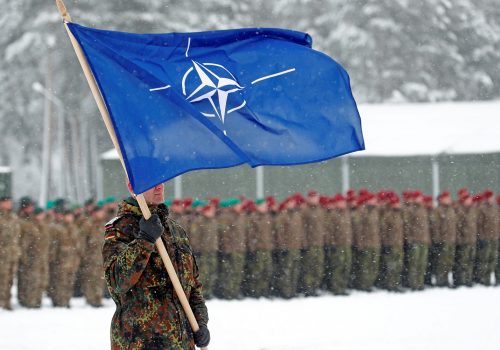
point(212, 87)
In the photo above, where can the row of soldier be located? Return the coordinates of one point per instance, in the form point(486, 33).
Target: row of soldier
point(45, 251)
point(265, 248)
point(360, 241)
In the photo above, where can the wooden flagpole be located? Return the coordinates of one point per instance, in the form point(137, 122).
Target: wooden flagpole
point(140, 197)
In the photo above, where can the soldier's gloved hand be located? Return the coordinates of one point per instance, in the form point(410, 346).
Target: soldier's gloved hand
point(202, 337)
point(150, 229)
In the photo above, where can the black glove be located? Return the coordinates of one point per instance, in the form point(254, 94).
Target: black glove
point(202, 337)
point(150, 229)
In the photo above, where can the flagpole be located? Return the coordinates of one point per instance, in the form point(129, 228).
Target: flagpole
point(140, 197)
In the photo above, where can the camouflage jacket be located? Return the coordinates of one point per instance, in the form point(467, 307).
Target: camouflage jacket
point(148, 313)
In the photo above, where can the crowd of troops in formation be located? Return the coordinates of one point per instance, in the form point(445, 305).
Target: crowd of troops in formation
point(244, 248)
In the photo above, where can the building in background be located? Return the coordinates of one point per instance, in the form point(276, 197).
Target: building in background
point(5, 181)
point(432, 147)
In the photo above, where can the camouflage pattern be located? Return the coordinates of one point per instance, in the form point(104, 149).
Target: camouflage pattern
point(9, 255)
point(259, 259)
point(65, 253)
point(416, 249)
point(442, 257)
point(232, 230)
point(391, 259)
point(148, 313)
point(33, 264)
point(338, 252)
point(366, 247)
point(487, 244)
point(286, 256)
point(313, 255)
point(92, 276)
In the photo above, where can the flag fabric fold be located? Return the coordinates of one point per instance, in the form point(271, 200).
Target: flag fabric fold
point(187, 101)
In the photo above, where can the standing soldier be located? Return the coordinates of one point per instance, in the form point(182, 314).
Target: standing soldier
point(487, 243)
point(417, 241)
point(9, 250)
point(313, 258)
point(338, 242)
point(288, 243)
point(34, 259)
point(466, 241)
point(259, 263)
point(391, 234)
point(367, 243)
point(232, 225)
point(445, 237)
point(65, 254)
point(208, 249)
point(92, 277)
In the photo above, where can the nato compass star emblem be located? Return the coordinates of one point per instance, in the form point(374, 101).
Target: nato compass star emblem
point(215, 92)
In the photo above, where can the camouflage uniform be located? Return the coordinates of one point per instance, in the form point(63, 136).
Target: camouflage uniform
point(313, 256)
point(148, 312)
point(286, 260)
point(9, 255)
point(444, 242)
point(466, 245)
point(391, 260)
point(92, 276)
point(417, 241)
point(208, 260)
point(487, 244)
point(232, 229)
point(338, 250)
point(259, 261)
point(33, 264)
point(65, 250)
point(366, 243)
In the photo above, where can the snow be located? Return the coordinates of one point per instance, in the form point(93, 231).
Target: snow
point(5, 169)
point(464, 318)
point(410, 129)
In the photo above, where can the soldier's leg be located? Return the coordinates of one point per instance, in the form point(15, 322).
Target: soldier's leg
point(312, 270)
point(497, 268)
point(493, 259)
point(203, 270)
point(251, 274)
point(6, 281)
point(394, 267)
point(384, 262)
point(327, 270)
point(412, 267)
point(481, 262)
point(363, 273)
point(459, 267)
point(264, 274)
point(341, 270)
point(424, 259)
point(431, 263)
point(238, 271)
point(374, 266)
point(295, 264)
point(469, 267)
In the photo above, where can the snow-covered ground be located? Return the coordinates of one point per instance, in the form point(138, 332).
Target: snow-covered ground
point(465, 318)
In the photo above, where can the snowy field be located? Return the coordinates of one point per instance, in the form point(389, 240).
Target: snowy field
point(466, 318)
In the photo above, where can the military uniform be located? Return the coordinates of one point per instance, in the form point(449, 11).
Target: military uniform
point(33, 263)
point(417, 241)
point(259, 260)
point(444, 242)
point(366, 243)
point(232, 229)
point(391, 234)
point(338, 250)
point(487, 244)
point(65, 250)
point(313, 256)
point(466, 245)
point(92, 275)
point(9, 254)
point(288, 241)
point(148, 313)
point(209, 248)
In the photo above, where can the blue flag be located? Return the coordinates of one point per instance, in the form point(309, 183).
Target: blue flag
point(188, 101)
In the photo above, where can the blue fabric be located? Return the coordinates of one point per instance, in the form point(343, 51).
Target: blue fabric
point(187, 101)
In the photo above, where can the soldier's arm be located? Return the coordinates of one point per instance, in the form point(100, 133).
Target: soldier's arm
point(125, 259)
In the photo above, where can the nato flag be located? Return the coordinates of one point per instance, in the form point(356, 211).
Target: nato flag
point(185, 101)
